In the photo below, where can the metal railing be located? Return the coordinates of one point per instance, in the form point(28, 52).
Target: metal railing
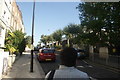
point(112, 61)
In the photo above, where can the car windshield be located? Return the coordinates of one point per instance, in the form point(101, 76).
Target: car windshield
point(47, 51)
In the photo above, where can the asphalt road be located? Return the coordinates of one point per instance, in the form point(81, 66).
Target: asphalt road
point(94, 71)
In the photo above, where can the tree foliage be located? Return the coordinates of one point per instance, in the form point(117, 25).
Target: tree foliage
point(71, 30)
point(15, 42)
point(57, 35)
point(46, 39)
point(102, 21)
point(28, 41)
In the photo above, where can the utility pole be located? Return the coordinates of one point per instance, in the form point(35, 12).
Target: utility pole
point(31, 65)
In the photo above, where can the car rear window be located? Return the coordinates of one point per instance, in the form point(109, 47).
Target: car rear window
point(81, 50)
point(47, 51)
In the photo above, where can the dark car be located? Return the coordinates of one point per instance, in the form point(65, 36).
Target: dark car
point(81, 54)
point(46, 55)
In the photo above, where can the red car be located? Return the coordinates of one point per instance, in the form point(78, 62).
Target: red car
point(46, 55)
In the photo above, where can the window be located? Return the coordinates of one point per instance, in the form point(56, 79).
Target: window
point(10, 2)
point(0, 31)
point(0, 2)
point(4, 12)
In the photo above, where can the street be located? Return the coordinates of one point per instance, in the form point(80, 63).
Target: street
point(93, 71)
point(91, 27)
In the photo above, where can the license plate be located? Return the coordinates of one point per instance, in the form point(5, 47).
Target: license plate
point(48, 59)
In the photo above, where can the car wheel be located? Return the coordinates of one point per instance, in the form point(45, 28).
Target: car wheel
point(39, 60)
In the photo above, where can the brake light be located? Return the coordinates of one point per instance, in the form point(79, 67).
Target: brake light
point(41, 54)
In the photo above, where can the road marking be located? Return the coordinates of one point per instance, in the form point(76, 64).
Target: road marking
point(84, 61)
point(81, 66)
point(90, 66)
point(106, 67)
point(85, 65)
point(91, 78)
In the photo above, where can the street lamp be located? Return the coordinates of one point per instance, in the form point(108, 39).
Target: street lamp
point(2, 48)
point(31, 65)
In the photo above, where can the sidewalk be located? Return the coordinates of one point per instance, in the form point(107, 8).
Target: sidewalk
point(21, 68)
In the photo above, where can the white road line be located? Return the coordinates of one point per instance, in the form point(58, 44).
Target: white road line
point(87, 63)
point(81, 66)
point(84, 61)
point(92, 78)
point(85, 66)
point(90, 66)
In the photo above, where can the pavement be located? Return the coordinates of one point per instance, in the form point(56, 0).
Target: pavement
point(21, 69)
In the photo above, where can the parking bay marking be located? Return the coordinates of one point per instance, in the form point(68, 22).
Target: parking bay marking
point(81, 66)
point(85, 66)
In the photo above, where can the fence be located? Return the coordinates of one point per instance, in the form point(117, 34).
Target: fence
point(112, 61)
point(1, 67)
point(6, 61)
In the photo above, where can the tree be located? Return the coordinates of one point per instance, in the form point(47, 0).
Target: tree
point(71, 31)
point(21, 46)
point(46, 39)
point(10, 38)
point(57, 35)
point(102, 22)
point(15, 42)
point(19, 41)
point(28, 41)
point(43, 39)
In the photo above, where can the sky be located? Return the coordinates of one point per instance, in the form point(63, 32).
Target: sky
point(49, 17)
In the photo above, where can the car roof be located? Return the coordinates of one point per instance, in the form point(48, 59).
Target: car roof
point(80, 50)
point(47, 49)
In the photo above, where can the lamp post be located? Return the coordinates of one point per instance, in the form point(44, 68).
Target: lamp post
point(3, 48)
point(31, 65)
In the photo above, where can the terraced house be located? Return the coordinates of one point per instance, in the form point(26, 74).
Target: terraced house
point(10, 20)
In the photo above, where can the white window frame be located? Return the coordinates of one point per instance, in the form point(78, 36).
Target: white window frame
point(0, 31)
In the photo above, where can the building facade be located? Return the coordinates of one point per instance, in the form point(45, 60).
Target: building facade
point(16, 18)
point(5, 15)
point(10, 19)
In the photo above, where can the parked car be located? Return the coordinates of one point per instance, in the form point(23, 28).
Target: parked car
point(81, 54)
point(36, 49)
point(46, 55)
